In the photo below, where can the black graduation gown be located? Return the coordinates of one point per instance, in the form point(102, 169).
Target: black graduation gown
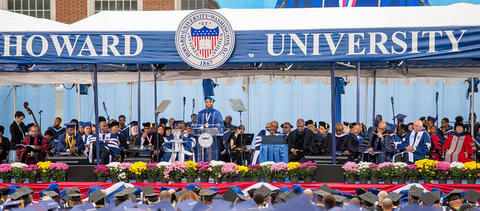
point(300, 141)
point(16, 134)
point(351, 144)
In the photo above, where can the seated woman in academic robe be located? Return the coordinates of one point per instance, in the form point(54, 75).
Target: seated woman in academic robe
point(459, 145)
point(34, 147)
point(167, 145)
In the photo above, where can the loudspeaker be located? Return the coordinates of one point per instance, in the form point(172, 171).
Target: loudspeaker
point(329, 173)
point(81, 173)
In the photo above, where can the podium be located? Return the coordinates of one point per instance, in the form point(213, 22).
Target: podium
point(177, 150)
point(208, 141)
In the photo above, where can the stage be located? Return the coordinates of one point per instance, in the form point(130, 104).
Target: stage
point(344, 188)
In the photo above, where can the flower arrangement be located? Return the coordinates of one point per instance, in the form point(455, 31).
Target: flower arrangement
point(229, 170)
point(293, 169)
point(175, 171)
point(363, 169)
point(279, 170)
point(242, 171)
point(216, 168)
point(254, 170)
point(426, 167)
point(125, 172)
point(373, 170)
point(457, 170)
point(6, 171)
point(350, 169)
point(399, 169)
point(442, 169)
point(387, 170)
point(44, 169)
point(191, 171)
point(162, 166)
point(101, 171)
point(151, 170)
point(470, 169)
point(59, 170)
point(17, 170)
point(411, 171)
point(266, 168)
point(137, 169)
point(115, 171)
point(307, 169)
point(204, 169)
point(31, 171)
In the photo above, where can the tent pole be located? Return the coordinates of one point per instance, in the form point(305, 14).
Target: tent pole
point(130, 107)
point(365, 109)
point(374, 95)
point(358, 92)
point(138, 98)
point(95, 104)
point(155, 98)
point(79, 106)
point(248, 105)
point(14, 99)
point(332, 107)
point(472, 122)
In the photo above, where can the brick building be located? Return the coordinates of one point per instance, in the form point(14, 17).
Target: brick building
point(70, 11)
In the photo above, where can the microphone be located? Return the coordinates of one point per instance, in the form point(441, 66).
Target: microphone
point(436, 96)
point(40, 111)
point(391, 99)
point(184, 100)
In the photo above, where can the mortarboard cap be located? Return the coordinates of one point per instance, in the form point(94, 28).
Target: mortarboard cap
point(210, 98)
point(205, 192)
point(325, 188)
point(147, 189)
point(93, 188)
point(231, 195)
point(454, 195)
point(263, 190)
point(50, 193)
point(133, 123)
point(19, 193)
point(214, 189)
point(437, 194)
point(472, 196)
point(359, 191)
point(178, 194)
point(369, 197)
point(395, 197)
point(339, 199)
point(430, 118)
point(400, 117)
point(415, 192)
point(321, 193)
point(285, 196)
point(97, 195)
point(4, 191)
point(163, 121)
point(429, 199)
point(374, 190)
point(13, 188)
point(113, 124)
point(147, 124)
point(191, 186)
point(69, 125)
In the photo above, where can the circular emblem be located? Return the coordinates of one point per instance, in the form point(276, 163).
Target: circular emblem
point(205, 140)
point(205, 39)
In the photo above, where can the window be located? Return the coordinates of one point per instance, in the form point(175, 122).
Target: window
point(194, 4)
point(35, 8)
point(119, 5)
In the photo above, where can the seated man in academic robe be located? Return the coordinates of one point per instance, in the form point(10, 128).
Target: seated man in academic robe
point(459, 146)
point(351, 143)
point(322, 143)
point(416, 143)
point(300, 142)
point(35, 147)
point(70, 143)
point(381, 145)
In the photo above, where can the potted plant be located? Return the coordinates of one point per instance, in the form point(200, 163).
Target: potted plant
point(254, 172)
point(471, 172)
point(44, 171)
point(229, 171)
point(279, 171)
point(125, 173)
point(191, 172)
point(307, 171)
point(387, 171)
point(31, 172)
point(114, 171)
point(242, 173)
point(442, 169)
point(175, 171)
point(399, 172)
point(426, 168)
point(204, 169)
point(294, 171)
point(59, 171)
point(101, 172)
point(137, 170)
point(457, 171)
point(363, 172)
point(217, 170)
point(350, 171)
point(151, 172)
point(411, 171)
point(6, 173)
point(267, 174)
point(374, 173)
point(162, 166)
point(18, 172)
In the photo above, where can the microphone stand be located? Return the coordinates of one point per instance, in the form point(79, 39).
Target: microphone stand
point(393, 109)
point(40, 114)
point(106, 112)
point(193, 106)
point(184, 103)
point(436, 106)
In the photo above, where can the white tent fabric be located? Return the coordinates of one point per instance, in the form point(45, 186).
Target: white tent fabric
point(15, 22)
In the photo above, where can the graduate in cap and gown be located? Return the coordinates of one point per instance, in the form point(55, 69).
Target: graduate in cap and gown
point(70, 142)
point(35, 147)
point(209, 116)
point(459, 146)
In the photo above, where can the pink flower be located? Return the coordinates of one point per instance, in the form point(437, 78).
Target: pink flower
point(281, 166)
point(350, 166)
point(175, 166)
point(203, 166)
point(411, 167)
point(31, 167)
point(151, 164)
point(5, 168)
point(385, 165)
point(229, 168)
point(373, 166)
point(125, 165)
point(442, 166)
point(103, 168)
point(59, 166)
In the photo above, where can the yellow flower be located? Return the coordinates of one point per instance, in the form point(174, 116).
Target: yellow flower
point(470, 165)
point(191, 164)
point(138, 167)
point(293, 165)
point(44, 165)
point(242, 168)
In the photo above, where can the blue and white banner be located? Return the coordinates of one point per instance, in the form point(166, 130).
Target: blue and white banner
point(376, 44)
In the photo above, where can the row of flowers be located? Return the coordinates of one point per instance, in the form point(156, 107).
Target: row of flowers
point(190, 170)
point(43, 170)
point(426, 168)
